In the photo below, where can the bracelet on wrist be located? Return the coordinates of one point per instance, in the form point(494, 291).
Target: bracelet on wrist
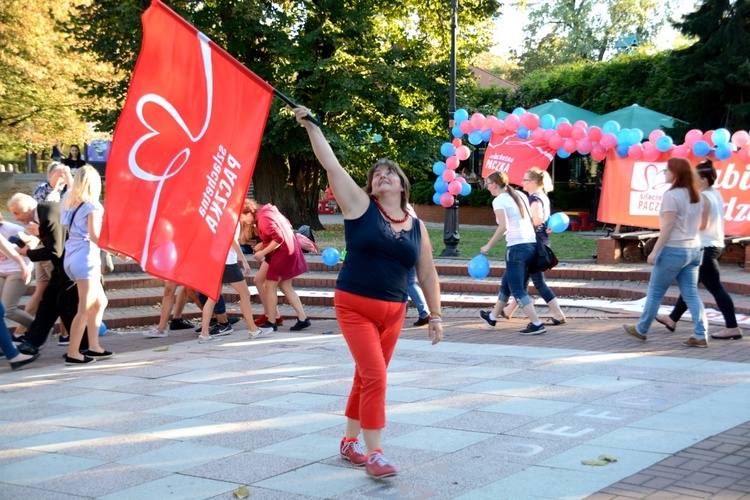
point(436, 320)
point(436, 313)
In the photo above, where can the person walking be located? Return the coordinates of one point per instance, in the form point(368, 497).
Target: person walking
point(712, 241)
point(677, 253)
point(513, 223)
point(383, 243)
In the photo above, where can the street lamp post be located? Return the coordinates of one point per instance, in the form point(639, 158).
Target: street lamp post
point(451, 237)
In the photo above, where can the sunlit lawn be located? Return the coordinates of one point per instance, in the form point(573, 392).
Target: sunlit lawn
point(567, 245)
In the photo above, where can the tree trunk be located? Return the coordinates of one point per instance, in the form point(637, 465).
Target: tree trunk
point(293, 185)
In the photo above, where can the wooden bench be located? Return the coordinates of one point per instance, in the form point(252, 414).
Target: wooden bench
point(744, 243)
point(646, 241)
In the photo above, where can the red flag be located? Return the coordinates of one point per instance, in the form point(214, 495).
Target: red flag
point(514, 156)
point(183, 154)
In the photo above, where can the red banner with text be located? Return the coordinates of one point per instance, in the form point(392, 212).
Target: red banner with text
point(514, 156)
point(632, 191)
point(183, 154)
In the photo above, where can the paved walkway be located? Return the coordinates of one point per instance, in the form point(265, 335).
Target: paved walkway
point(485, 414)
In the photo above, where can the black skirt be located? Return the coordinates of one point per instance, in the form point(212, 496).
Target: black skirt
point(232, 274)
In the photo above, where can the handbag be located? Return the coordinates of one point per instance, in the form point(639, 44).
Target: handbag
point(544, 258)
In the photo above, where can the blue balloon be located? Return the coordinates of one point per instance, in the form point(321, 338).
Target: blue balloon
point(523, 132)
point(436, 198)
point(479, 266)
point(562, 153)
point(475, 137)
point(486, 134)
point(720, 136)
point(439, 167)
point(611, 127)
point(547, 121)
point(664, 143)
point(465, 189)
point(560, 120)
point(723, 152)
point(623, 137)
point(447, 149)
point(622, 150)
point(636, 135)
point(102, 329)
point(440, 185)
point(519, 112)
point(558, 222)
point(456, 131)
point(331, 256)
point(701, 148)
point(461, 115)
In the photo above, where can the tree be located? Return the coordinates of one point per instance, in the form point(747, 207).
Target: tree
point(563, 31)
point(39, 100)
point(368, 69)
point(712, 76)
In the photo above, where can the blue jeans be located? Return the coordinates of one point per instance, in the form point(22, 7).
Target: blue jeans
point(6, 343)
point(219, 308)
point(517, 258)
point(541, 287)
point(416, 295)
point(671, 264)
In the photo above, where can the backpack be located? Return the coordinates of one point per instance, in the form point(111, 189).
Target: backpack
point(306, 232)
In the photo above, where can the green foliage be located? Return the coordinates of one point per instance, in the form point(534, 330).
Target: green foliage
point(422, 192)
point(477, 198)
point(570, 196)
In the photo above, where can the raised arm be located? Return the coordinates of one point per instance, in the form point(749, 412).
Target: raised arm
point(351, 199)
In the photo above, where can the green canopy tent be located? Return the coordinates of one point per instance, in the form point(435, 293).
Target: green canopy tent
point(636, 116)
point(560, 109)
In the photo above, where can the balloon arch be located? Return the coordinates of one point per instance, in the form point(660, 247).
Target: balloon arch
point(566, 138)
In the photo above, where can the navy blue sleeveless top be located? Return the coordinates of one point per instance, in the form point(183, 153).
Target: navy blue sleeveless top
point(378, 259)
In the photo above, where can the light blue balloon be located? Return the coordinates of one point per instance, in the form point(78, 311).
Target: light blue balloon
point(701, 148)
point(636, 136)
point(447, 149)
point(436, 198)
point(723, 152)
point(622, 150)
point(560, 120)
point(558, 222)
point(440, 185)
point(331, 256)
point(623, 137)
point(456, 131)
point(720, 136)
point(461, 115)
point(562, 153)
point(547, 121)
point(479, 267)
point(486, 134)
point(439, 167)
point(475, 137)
point(611, 127)
point(102, 329)
point(519, 112)
point(523, 132)
point(465, 189)
point(664, 143)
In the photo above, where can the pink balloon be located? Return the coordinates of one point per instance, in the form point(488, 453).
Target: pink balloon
point(681, 151)
point(578, 132)
point(446, 200)
point(499, 127)
point(650, 153)
point(537, 136)
point(465, 126)
point(456, 142)
point(598, 152)
point(460, 180)
point(512, 122)
point(449, 175)
point(570, 145)
point(691, 137)
point(741, 138)
point(477, 121)
point(584, 146)
point(635, 151)
point(595, 134)
point(454, 187)
point(655, 134)
point(744, 154)
point(164, 257)
point(582, 124)
point(556, 142)
point(530, 120)
point(463, 153)
point(489, 120)
point(452, 162)
point(564, 129)
point(609, 140)
point(708, 137)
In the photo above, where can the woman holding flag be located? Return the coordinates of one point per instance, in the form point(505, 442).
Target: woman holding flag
point(383, 243)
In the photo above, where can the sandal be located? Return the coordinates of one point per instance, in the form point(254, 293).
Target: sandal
point(661, 319)
point(728, 334)
point(556, 322)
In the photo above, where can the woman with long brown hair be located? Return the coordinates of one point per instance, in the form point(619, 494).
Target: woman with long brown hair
point(678, 252)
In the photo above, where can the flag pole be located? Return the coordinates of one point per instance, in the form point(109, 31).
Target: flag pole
point(293, 105)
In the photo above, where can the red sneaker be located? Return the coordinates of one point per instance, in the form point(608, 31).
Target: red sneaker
point(378, 467)
point(353, 451)
point(261, 320)
point(280, 320)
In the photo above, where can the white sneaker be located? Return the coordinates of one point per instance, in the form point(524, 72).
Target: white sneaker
point(261, 331)
point(154, 332)
point(210, 338)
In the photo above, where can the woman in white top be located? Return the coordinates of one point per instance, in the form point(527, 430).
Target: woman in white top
point(513, 222)
point(13, 280)
point(712, 240)
point(678, 252)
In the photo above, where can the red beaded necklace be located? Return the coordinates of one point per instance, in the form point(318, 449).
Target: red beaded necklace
point(385, 214)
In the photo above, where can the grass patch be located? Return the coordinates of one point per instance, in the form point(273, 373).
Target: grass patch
point(567, 245)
